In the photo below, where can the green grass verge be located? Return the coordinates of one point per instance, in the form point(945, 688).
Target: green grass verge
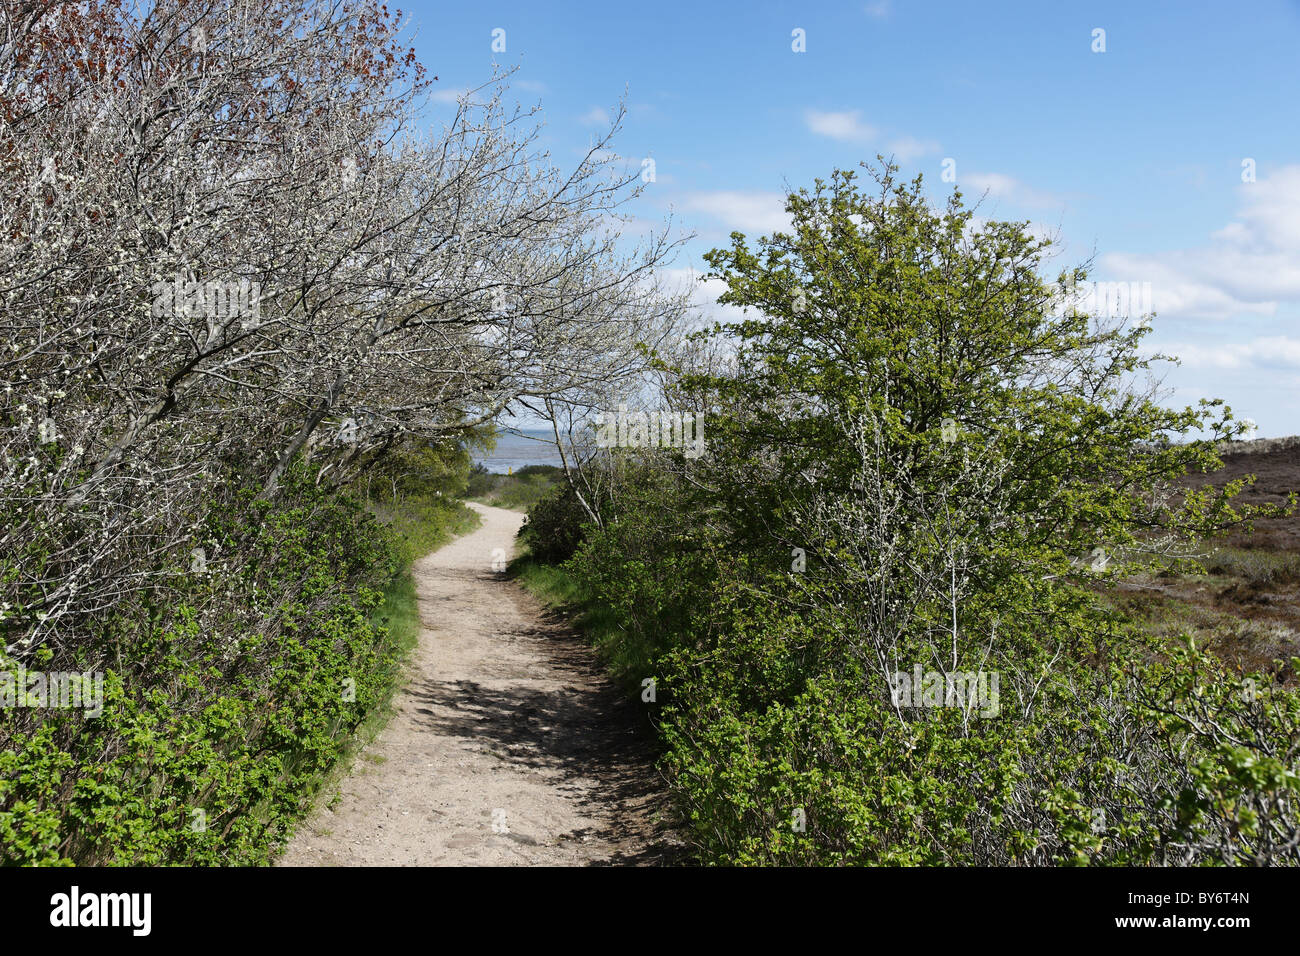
point(518, 492)
point(421, 525)
point(599, 623)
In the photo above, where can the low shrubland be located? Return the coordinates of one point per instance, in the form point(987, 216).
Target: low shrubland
point(519, 491)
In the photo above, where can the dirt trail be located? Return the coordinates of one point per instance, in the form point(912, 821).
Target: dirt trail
point(508, 745)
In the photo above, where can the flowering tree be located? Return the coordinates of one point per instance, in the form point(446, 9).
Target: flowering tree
point(227, 246)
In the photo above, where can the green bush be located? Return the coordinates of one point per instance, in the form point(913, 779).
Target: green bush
point(480, 481)
point(214, 733)
point(894, 479)
point(555, 525)
point(520, 491)
point(783, 750)
point(418, 525)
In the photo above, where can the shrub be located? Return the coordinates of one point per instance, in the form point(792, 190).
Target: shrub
point(907, 457)
point(226, 697)
point(556, 525)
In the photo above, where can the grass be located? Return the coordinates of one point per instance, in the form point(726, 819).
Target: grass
point(519, 491)
point(550, 583)
point(422, 525)
point(1254, 567)
point(559, 590)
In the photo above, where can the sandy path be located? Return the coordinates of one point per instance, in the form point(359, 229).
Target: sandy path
point(508, 746)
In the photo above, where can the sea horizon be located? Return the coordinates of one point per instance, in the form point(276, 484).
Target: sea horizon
point(519, 449)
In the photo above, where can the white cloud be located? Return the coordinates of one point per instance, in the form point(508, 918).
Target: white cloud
point(846, 126)
point(995, 184)
point(1001, 186)
point(703, 294)
point(1275, 351)
point(594, 117)
point(908, 148)
point(1249, 266)
point(762, 212)
point(1270, 213)
point(877, 8)
point(446, 96)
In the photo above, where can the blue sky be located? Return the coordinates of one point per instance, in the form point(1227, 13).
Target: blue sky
point(1133, 156)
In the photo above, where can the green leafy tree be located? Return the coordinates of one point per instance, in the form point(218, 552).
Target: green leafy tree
point(934, 338)
point(960, 462)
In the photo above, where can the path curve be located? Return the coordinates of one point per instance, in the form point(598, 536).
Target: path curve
point(508, 745)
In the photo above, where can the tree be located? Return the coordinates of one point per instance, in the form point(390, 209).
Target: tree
point(937, 434)
point(227, 247)
point(935, 424)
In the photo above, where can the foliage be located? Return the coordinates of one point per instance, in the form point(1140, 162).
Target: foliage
point(240, 290)
point(213, 731)
point(519, 491)
point(419, 468)
point(555, 525)
point(924, 456)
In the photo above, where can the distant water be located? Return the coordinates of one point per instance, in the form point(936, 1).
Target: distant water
point(516, 451)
